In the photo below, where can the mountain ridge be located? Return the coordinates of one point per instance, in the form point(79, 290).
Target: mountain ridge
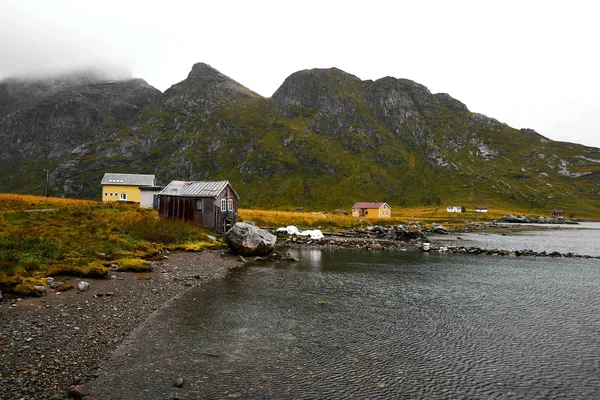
point(324, 139)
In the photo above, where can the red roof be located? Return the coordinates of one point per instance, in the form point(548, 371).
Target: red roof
point(368, 205)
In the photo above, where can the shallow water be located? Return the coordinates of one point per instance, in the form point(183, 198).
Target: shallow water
point(583, 239)
point(379, 325)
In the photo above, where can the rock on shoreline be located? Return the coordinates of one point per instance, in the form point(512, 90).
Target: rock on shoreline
point(426, 247)
point(519, 219)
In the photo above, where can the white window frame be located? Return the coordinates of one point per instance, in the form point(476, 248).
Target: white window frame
point(198, 204)
point(223, 205)
point(123, 197)
point(229, 204)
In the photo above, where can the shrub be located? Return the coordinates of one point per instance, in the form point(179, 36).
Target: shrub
point(165, 231)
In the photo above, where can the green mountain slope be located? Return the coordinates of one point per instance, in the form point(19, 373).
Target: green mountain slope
point(324, 140)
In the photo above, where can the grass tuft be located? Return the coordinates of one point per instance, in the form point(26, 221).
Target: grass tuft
point(63, 287)
point(134, 265)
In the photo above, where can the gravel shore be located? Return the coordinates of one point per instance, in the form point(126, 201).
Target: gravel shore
point(52, 344)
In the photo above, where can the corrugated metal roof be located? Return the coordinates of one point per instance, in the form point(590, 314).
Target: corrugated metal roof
point(368, 205)
point(128, 179)
point(195, 188)
point(151, 188)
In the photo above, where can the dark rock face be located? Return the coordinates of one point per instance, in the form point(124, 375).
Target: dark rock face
point(451, 102)
point(18, 93)
point(205, 89)
point(46, 122)
point(332, 102)
point(248, 240)
point(323, 138)
point(59, 121)
point(328, 91)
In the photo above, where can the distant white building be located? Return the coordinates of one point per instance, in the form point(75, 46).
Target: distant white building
point(481, 209)
point(454, 209)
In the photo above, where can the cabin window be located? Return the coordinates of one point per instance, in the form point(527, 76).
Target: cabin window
point(198, 204)
point(223, 205)
point(230, 204)
point(105, 194)
point(123, 196)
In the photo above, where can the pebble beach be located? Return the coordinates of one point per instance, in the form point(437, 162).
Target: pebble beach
point(51, 345)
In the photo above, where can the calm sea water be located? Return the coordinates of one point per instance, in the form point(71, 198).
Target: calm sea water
point(351, 324)
point(583, 239)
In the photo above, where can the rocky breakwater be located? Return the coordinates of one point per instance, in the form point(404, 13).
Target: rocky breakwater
point(429, 247)
point(372, 238)
point(520, 219)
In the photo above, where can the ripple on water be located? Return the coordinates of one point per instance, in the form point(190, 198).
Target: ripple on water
point(395, 325)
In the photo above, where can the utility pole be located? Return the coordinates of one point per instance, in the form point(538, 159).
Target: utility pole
point(47, 176)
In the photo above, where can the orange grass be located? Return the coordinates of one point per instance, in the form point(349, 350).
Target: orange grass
point(42, 236)
point(17, 202)
point(333, 220)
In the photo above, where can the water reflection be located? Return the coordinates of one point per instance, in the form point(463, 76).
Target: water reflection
point(312, 257)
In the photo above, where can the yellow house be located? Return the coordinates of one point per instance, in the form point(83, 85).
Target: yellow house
point(125, 187)
point(372, 210)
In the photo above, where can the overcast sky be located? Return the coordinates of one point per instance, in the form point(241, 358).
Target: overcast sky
point(531, 64)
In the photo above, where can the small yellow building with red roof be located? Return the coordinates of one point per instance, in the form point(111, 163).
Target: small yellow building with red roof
point(375, 210)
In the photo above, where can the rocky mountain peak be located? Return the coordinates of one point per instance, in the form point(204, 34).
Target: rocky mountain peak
point(322, 89)
point(203, 70)
point(393, 92)
point(204, 88)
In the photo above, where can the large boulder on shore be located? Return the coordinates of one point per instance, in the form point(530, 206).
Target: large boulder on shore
point(248, 240)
